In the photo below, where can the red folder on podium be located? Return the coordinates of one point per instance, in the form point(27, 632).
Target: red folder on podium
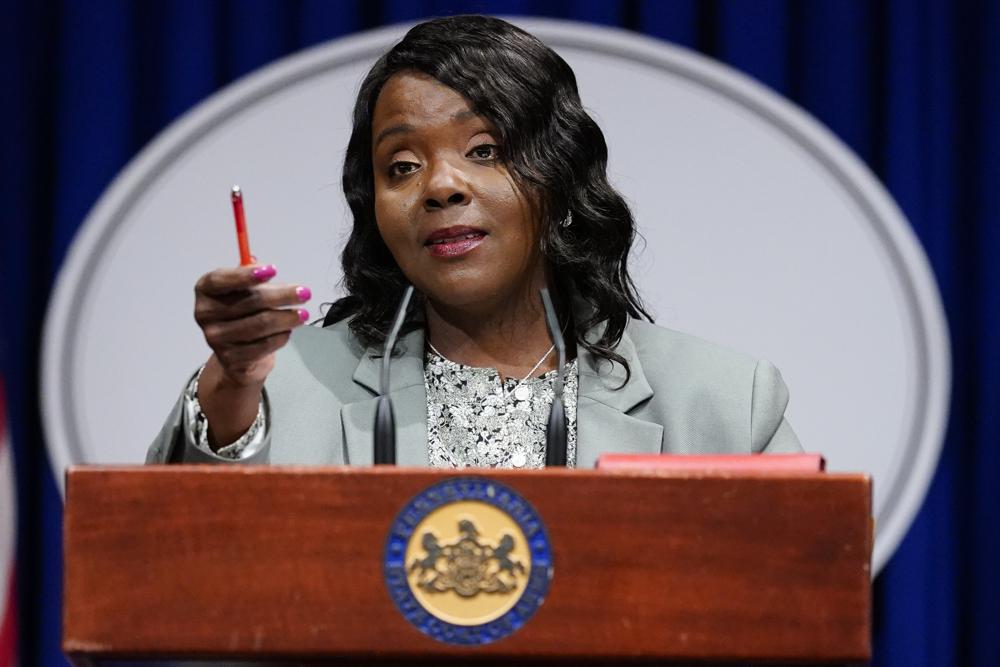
point(741, 463)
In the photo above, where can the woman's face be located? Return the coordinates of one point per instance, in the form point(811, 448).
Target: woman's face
point(445, 204)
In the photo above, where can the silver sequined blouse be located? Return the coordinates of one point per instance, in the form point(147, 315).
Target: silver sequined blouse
point(475, 419)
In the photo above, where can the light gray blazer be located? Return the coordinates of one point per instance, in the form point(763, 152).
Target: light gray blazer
point(684, 396)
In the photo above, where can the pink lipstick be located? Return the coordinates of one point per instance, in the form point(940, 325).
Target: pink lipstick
point(454, 241)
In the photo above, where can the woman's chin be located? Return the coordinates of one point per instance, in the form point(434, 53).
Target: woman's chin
point(477, 286)
point(463, 298)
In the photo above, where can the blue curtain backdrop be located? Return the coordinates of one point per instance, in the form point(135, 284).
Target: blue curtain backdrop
point(913, 86)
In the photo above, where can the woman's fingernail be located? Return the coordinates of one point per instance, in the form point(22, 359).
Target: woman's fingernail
point(265, 272)
point(303, 314)
point(304, 293)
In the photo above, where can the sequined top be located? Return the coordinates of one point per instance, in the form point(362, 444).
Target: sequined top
point(473, 418)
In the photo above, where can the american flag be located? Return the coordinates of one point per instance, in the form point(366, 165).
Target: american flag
point(8, 540)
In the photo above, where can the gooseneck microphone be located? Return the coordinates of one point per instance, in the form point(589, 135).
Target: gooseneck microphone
point(385, 422)
point(555, 432)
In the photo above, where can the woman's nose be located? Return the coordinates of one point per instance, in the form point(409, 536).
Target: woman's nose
point(446, 186)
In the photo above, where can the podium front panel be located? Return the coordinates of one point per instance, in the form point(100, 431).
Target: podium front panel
point(290, 563)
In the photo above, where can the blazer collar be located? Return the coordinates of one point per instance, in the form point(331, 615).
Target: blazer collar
point(604, 400)
point(409, 403)
point(605, 382)
point(407, 368)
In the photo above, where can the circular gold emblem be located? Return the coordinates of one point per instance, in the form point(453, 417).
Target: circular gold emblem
point(468, 561)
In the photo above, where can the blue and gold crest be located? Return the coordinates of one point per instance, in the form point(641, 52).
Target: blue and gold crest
point(468, 561)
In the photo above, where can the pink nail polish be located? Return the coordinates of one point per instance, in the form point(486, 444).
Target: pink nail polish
point(263, 273)
point(304, 293)
point(303, 314)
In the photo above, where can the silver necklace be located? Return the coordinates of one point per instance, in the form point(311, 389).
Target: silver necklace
point(520, 391)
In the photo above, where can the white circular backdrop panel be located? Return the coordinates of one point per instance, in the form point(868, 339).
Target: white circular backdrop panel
point(762, 232)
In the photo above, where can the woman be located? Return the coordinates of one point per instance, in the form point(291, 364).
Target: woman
point(473, 173)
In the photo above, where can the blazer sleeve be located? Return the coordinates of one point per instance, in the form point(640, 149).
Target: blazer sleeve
point(176, 444)
point(770, 432)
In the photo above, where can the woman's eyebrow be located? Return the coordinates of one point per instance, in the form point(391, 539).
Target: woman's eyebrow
point(402, 128)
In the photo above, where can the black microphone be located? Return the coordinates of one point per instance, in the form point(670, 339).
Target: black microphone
point(555, 432)
point(385, 422)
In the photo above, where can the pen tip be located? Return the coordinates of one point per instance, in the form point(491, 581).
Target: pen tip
point(237, 192)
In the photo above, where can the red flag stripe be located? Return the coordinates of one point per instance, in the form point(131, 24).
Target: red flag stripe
point(8, 626)
point(8, 537)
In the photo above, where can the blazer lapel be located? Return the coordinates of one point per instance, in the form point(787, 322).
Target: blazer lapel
point(409, 405)
point(603, 400)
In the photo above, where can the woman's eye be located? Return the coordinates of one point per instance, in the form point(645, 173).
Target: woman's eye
point(485, 152)
point(401, 168)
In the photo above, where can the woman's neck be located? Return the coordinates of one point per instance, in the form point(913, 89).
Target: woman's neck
point(511, 338)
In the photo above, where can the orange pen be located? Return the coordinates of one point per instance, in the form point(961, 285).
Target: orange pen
point(241, 227)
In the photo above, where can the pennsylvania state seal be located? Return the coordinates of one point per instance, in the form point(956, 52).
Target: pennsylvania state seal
point(468, 561)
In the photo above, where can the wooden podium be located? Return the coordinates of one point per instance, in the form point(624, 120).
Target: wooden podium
point(286, 564)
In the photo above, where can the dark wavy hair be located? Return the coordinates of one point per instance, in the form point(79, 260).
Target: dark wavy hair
point(554, 150)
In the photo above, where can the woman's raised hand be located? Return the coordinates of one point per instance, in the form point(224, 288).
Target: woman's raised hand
point(245, 319)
